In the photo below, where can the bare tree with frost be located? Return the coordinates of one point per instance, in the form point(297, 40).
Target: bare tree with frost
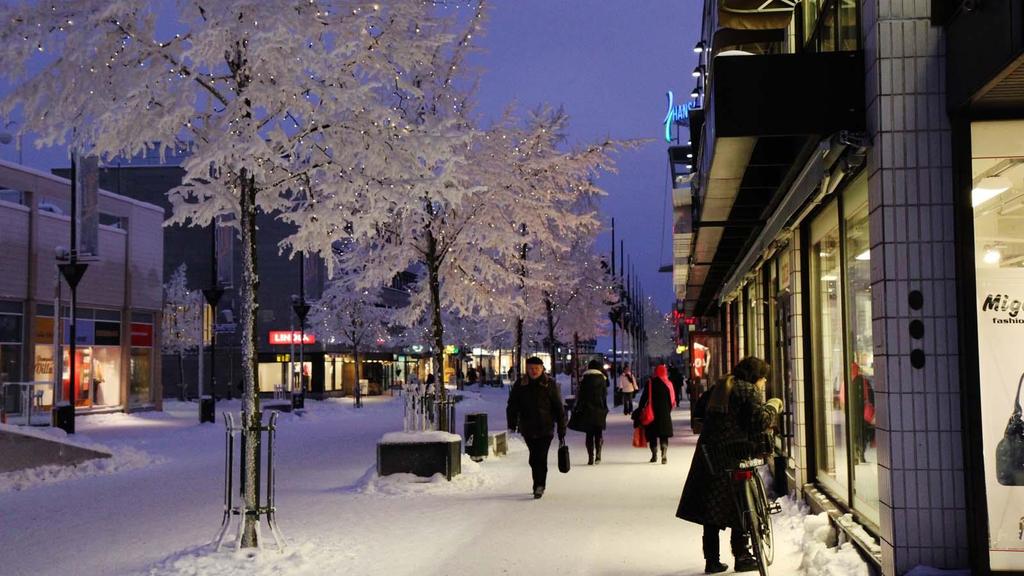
point(271, 98)
point(181, 320)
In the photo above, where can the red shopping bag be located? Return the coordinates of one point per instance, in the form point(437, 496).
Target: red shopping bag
point(639, 438)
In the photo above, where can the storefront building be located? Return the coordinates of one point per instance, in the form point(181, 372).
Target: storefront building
point(855, 194)
point(985, 100)
point(119, 297)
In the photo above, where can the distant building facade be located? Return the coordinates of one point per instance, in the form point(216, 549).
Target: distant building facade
point(117, 360)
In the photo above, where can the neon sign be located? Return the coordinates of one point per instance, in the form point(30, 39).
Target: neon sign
point(677, 114)
point(291, 337)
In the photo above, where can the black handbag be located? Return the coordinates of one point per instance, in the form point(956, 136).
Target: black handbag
point(563, 457)
point(1010, 450)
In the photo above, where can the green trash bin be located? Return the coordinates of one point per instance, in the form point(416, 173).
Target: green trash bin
point(475, 435)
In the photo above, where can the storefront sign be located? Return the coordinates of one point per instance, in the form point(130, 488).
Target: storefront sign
point(44, 331)
point(677, 114)
point(282, 358)
point(85, 332)
point(1001, 366)
point(142, 335)
point(291, 337)
point(108, 333)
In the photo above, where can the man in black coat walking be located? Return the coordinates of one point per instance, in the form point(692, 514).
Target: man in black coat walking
point(534, 408)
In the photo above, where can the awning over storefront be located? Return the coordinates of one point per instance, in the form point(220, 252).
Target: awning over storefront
point(987, 77)
point(755, 14)
point(754, 146)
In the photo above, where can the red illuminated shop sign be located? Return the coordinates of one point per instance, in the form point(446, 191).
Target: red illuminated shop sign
point(291, 337)
point(142, 334)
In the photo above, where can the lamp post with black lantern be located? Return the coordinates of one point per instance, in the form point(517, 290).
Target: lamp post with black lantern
point(208, 402)
point(301, 308)
point(72, 270)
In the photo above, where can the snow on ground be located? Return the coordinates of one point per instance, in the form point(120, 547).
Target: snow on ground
point(338, 516)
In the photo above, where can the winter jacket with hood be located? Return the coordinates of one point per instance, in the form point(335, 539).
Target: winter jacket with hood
point(592, 401)
point(661, 395)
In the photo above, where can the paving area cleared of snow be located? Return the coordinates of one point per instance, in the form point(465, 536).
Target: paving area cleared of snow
point(155, 507)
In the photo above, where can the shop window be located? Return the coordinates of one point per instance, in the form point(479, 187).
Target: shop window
point(997, 197)
point(106, 376)
point(830, 25)
point(10, 347)
point(827, 352)
point(860, 375)
point(140, 377)
point(273, 376)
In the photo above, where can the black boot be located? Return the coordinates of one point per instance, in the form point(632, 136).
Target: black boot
point(600, 443)
point(654, 452)
point(714, 567)
point(664, 450)
point(590, 450)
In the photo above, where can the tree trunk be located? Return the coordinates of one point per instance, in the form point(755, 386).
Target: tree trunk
point(357, 390)
point(549, 311)
point(181, 375)
point(250, 398)
point(575, 362)
point(517, 355)
point(436, 326)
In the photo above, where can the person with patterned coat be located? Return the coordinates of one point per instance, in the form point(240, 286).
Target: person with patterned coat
point(735, 413)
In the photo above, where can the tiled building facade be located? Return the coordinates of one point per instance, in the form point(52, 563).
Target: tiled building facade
point(855, 190)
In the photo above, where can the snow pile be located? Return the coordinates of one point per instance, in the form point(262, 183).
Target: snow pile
point(820, 559)
point(121, 459)
point(300, 559)
point(473, 478)
point(419, 437)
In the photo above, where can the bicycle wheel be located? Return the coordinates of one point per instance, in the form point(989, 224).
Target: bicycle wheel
point(756, 526)
point(765, 518)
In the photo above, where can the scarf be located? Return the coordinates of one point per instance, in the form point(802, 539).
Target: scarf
point(661, 372)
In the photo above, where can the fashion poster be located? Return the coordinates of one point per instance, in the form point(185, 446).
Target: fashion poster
point(1000, 333)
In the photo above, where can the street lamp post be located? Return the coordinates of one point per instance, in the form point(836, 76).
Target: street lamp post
point(72, 270)
point(301, 309)
point(208, 402)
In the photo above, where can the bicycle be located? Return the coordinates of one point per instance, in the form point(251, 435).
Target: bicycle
point(740, 460)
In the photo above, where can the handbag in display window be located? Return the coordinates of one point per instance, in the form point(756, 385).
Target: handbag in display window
point(563, 457)
point(1010, 450)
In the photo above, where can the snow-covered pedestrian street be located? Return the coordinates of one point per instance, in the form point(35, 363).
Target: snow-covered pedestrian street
point(156, 506)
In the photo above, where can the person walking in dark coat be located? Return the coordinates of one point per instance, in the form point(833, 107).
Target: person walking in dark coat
point(535, 409)
point(735, 413)
point(662, 397)
point(590, 412)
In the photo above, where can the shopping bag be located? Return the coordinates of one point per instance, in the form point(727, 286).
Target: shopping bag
point(563, 458)
point(639, 438)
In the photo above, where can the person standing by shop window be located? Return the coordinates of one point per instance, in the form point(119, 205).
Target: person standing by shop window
point(534, 410)
point(627, 385)
point(735, 414)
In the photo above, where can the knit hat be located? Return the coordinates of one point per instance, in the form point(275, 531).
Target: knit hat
point(534, 360)
point(595, 364)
